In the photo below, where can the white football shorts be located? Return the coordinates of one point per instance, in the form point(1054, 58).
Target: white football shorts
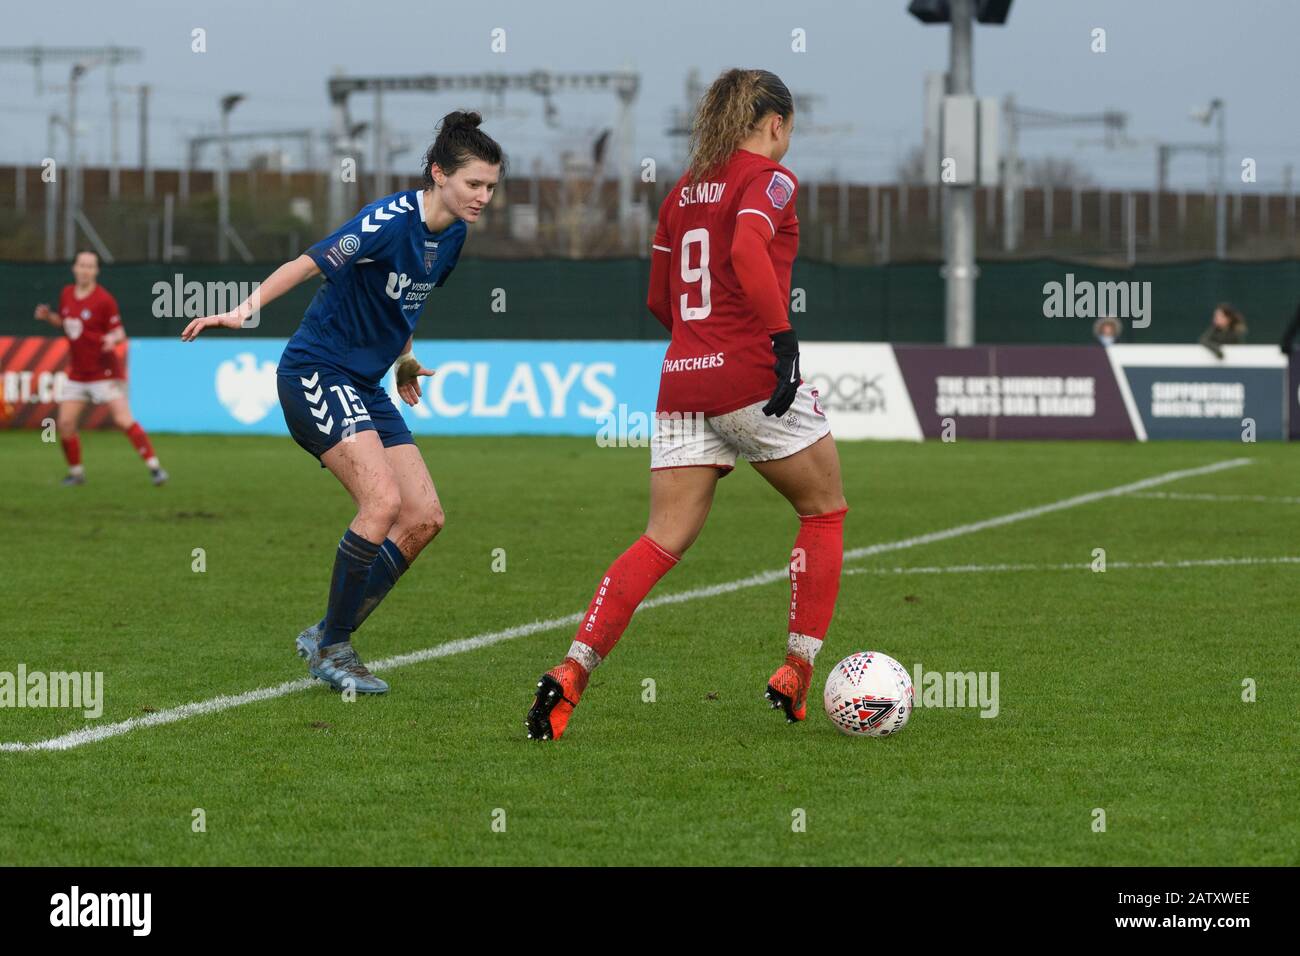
point(100, 392)
point(687, 440)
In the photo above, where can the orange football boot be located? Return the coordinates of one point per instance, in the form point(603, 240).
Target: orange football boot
point(558, 692)
point(787, 689)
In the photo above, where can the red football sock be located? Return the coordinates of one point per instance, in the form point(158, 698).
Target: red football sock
point(815, 567)
point(624, 586)
point(140, 440)
point(72, 450)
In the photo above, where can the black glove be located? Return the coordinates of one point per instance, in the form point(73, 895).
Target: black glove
point(785, 346)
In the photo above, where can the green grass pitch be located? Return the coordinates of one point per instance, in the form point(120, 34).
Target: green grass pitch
point(1120, 691)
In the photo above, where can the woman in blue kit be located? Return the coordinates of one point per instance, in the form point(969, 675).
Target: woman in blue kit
point(379, 269)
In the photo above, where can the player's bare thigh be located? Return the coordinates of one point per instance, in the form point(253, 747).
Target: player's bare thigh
point(120, 411)
point(809, 479)
point(359, 462)
point(69, 417)
point(680, 499)
point(420, 517)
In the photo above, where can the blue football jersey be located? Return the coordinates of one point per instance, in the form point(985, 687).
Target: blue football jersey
point(379, 269)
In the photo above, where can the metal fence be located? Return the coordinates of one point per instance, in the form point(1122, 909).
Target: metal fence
point(172, 217)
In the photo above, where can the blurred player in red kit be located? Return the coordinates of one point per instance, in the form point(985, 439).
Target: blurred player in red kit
point(720, 283)
point(88, 316)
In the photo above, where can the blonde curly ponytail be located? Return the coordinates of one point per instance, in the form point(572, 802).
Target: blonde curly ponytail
point(727, 113)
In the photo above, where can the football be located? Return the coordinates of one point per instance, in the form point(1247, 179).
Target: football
point(868, 694)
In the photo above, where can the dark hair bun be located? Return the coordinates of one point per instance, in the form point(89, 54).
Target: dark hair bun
point(460, 119)
point(458, 141)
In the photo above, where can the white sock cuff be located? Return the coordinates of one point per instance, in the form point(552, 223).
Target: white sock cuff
point(585, 655)
point(803, 646)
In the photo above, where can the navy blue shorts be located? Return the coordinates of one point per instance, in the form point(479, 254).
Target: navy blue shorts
point(325, 407)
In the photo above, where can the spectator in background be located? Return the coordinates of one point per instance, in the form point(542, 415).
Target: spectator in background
point(1228, 327)
point(1107, 329)
point(1289, 335)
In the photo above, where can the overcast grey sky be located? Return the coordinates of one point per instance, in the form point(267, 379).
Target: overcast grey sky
point(865, 61)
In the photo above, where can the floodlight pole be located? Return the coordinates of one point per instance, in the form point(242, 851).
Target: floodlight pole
point(1221, 187)
point(228, 103)
point(71, 196)
point(960, 271)
point(52, 195)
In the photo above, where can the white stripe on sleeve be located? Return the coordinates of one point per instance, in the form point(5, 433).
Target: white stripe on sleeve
point(759, 212)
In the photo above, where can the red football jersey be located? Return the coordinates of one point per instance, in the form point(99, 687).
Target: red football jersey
point(85, 323)
point(720, 358)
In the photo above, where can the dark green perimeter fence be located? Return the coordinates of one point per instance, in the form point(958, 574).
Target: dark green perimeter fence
point(604, 299)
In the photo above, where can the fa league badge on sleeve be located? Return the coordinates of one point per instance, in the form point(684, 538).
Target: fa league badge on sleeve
point(779, 190)
point(338, 254)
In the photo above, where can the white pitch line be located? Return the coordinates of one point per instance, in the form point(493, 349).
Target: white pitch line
point(93, 734)
point(1061, 505)
point(1083, 566)
point(1177, 496)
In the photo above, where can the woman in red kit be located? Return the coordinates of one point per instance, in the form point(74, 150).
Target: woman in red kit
point(720, 282)
point(89, 317)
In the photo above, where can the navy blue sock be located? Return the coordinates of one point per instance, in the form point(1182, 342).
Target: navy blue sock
point(352, 566)
point(388, 567)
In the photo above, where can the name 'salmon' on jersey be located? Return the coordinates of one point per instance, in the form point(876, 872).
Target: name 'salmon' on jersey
point(379, 268)
point(720, 357)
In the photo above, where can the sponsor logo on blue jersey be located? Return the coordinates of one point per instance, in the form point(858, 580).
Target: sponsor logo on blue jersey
point(380, 267)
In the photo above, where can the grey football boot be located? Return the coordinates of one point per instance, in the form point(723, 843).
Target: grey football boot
point(339, 666)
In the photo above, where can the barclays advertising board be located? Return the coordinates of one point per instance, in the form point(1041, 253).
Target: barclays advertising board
point(607, 390)
point(481, 387)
